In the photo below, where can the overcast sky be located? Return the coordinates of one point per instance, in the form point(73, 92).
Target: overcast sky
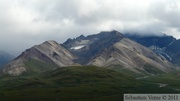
point(24, 23)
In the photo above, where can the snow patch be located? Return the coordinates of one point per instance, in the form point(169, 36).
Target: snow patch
point(77, 47)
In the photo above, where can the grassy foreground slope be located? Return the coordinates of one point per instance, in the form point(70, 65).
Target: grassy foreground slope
point(86, 83)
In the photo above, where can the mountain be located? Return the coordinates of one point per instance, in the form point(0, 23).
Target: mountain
point(49, 52)
point(174, 51)
point(109, 49)
point(131, 55)
point(164, 45)
point(160, 41)
point(5, 58)
point(88, 47)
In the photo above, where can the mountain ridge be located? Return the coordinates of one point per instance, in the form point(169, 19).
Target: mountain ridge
point(131, 55)
point(49, 52)
point(165, 45)
point(109, 48)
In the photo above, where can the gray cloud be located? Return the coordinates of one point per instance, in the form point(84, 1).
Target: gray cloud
point(26, 23)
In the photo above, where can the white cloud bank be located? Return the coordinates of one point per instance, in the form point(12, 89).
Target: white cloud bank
point(24, 23)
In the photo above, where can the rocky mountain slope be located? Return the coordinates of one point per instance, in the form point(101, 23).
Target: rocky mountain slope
point(164, 45)
point(174, 51)
point(108, 49)
point(88, 47)
point(132, 56)
point(48, 52)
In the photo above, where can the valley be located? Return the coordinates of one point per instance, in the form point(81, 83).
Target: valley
point(87, 83)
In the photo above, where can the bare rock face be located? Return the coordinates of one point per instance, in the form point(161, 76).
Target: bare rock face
point(48, 52)
point(52, 52)
point(130, 55)
point(15, 67)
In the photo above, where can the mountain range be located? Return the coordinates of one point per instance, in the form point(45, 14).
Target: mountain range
point(108, 49)
point(98, 67)
point(5, 58)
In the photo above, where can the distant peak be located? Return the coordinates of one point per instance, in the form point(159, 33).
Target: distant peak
point(140, 35)
point(113, 31)
point(116, 32)
point(51, 42)
point(81, 37)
